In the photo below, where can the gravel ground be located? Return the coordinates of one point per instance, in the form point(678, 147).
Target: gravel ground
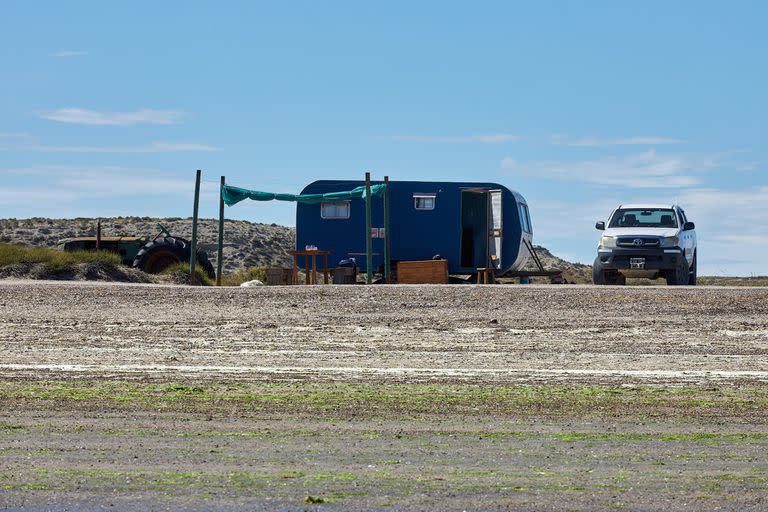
point(503, 334)
point(410, 397)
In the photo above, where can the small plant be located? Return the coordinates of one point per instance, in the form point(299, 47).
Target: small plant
point(313, 500)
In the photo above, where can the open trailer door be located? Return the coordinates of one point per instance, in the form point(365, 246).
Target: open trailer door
point(494, 228)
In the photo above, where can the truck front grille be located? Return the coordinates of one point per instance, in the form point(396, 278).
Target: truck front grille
point(638, 241)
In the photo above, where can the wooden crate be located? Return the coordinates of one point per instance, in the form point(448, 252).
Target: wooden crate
point(422, 272)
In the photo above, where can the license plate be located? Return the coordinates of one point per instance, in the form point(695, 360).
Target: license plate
point(637, 262)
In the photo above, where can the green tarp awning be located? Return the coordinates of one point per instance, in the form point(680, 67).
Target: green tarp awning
point(233, 195)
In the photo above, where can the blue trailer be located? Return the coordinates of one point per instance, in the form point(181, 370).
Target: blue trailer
point(471, 225)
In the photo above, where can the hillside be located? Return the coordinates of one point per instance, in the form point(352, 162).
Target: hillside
point(573, 272)
point(246, 245)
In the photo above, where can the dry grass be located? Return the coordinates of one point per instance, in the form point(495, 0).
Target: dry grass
point(179, 274)
point(733, 281)
point(241, 276)
point(57, 260)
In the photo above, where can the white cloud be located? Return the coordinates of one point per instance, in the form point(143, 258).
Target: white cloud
point(562, 140)
point(155, 147)
point(508, 163)
point(71, 184)
point(13, 135)
point(488, 138)
point(67, 53)
point(92, 117)
point(641, 170)
point(732, 226)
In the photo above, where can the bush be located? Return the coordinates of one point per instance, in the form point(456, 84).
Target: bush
point(179, 273)
point(57, 260)
point(241, 276)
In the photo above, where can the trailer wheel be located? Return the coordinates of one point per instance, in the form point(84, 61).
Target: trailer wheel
point(160, 254)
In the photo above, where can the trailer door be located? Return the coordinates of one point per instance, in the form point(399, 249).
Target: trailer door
point(494, 228)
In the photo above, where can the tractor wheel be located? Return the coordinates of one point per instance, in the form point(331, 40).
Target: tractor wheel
point(205, 264)
point(160, 254)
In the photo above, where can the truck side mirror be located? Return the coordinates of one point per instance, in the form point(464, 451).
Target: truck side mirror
point(600, 225)
point(688, 226)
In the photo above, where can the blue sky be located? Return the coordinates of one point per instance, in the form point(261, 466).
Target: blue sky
point(107, 108)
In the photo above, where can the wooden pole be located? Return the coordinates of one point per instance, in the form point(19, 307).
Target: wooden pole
point(387, 275)
point(98, 235)
point(193, 246)
point(368, 239)
point(220, 249)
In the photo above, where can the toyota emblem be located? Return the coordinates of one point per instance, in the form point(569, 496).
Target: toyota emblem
point(637, 241)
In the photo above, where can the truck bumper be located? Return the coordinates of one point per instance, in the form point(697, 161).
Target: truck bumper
point(661, 258)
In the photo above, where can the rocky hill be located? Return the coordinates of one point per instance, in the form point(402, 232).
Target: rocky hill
point(573, 272)
point(247, 244)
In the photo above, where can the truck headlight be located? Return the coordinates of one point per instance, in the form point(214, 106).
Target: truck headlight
point(607, 241)
point(670, 241)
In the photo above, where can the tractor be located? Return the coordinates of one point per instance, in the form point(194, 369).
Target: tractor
point(149, 255)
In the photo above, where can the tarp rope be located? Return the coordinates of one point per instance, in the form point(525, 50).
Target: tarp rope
point(233, 195)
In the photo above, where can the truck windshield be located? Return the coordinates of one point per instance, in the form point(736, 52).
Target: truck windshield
point(643, 218)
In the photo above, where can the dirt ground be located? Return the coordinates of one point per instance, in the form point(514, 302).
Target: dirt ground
point(147, 397)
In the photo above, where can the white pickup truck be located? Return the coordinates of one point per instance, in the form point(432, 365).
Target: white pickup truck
point(642, 240)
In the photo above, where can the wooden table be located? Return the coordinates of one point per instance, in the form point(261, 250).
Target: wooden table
point(311, 276)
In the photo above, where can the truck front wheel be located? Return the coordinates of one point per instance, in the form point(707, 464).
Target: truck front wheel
point(600, 276)
point(693, 272)
point(678, 275)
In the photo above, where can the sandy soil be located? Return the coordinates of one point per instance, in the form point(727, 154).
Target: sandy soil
point(407, 397)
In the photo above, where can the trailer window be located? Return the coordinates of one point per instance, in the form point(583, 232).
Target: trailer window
point(525, 219)
point(335, 210)
point(424, 201)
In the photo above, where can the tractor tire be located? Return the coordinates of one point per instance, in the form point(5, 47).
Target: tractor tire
point(205, 264)
point(159, 254)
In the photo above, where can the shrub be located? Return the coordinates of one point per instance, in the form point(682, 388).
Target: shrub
point(58, 260)
point(179, 273)
point(241, 276)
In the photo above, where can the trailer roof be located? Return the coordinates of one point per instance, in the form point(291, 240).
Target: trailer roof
point(518, 195)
